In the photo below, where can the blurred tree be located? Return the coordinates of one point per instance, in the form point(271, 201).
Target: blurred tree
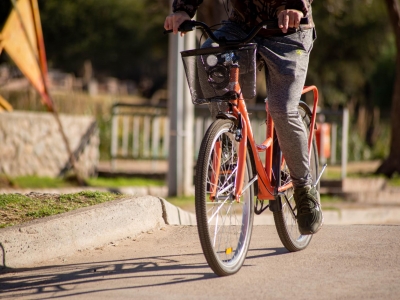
point(392, 163)
point(121, 38)
point(351, 38)
point(352, 61)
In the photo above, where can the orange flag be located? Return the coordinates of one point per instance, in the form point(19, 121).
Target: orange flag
point(22, 39)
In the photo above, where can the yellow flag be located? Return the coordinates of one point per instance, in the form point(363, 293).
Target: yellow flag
point(4, 105)
point(22, 39)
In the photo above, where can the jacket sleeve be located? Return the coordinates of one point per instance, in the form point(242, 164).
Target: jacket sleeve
point(302, 5)
point(188, 6)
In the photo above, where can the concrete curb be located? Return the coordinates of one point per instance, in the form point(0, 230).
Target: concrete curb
point(62, 235)
point(176, 216)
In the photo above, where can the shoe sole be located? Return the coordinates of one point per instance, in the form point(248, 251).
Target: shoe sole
point(310, 232)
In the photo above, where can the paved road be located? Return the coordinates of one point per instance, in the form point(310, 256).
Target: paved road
point(342, 262)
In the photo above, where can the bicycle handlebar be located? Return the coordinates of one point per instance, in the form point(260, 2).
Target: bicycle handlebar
point(190, 25)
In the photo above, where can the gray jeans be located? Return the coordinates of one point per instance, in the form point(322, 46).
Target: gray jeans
point(286, 61)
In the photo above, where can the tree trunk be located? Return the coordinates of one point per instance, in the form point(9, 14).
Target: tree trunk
point(391, 164)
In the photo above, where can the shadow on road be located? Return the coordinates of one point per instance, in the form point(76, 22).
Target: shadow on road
point(270, 252)
point(67, 278)
point(61, 281)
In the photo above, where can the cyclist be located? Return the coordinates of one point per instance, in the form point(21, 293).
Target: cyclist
point(285, 51)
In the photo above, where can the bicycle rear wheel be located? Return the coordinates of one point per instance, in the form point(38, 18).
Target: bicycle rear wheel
point(224, 224)
point(285, 219)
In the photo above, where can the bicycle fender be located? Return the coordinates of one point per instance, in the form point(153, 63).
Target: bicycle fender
point(227, 116)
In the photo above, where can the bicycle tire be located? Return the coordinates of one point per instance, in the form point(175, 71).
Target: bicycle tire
point(285, 221)
point(224, 225)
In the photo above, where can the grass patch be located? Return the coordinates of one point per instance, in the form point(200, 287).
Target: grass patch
point(17, 208)
point(36, 182)
point(394, 181)
point(178, 201)
point(332, 174)
point(326, 199)
point(124, 181)
point(185, 203)
point(332, 208)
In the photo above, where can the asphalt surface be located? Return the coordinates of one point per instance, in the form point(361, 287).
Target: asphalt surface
point(342, 262)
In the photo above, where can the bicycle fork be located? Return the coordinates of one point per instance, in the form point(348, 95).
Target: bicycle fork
point(240, 133)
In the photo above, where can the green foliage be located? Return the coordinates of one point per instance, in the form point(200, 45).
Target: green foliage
point(352, 63)
point(382, 79)
point(122, 38)
point(354, 38)
point(380, 149)
point(352, 59)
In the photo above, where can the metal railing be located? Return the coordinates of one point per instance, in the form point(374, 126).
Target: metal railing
point(142, 131)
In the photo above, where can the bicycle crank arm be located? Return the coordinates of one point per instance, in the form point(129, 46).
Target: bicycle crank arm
point(320, 175)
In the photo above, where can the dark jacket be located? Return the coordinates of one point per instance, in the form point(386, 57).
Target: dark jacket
point(248, 13)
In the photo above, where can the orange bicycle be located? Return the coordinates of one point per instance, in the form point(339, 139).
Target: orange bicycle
point(232, 180)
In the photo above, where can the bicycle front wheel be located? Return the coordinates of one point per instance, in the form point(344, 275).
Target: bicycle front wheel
point(285, 220)
point(224, 224)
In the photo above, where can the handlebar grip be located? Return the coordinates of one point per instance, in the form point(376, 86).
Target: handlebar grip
point(187, 25)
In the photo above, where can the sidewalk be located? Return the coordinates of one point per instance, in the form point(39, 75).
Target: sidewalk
point(33, 242)
point(145, 210)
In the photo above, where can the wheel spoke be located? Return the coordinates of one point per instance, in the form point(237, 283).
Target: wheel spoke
point(224, 224)
point(216, 212)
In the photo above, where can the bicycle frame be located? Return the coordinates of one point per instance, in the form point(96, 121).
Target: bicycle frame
point(266, 190)
point(222, 176)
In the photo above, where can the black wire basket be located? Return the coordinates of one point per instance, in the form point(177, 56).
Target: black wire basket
point(207, 72)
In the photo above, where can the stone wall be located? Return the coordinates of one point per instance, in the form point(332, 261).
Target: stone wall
point(31, 144)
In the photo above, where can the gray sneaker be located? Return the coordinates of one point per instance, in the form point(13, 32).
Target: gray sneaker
point(309, 214)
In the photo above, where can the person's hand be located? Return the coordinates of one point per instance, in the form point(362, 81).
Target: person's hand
point(174, 20)
point(289, 18)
